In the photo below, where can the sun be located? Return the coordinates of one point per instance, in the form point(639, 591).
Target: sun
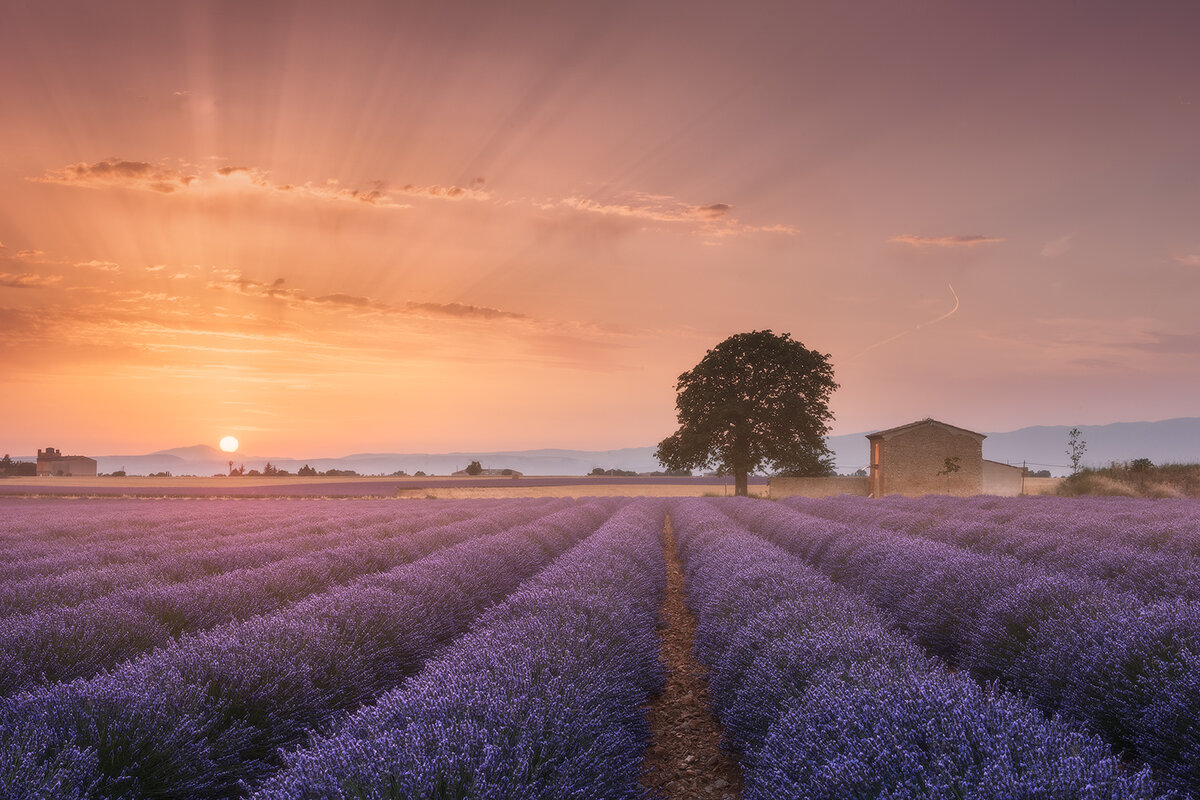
point(229, 444)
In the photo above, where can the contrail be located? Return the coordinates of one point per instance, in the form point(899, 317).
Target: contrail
point(910, 330)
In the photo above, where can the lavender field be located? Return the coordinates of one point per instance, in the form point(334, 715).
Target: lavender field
point(302, 649)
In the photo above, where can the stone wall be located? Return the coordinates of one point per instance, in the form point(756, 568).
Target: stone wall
point(911, 461)
point(1001, 479)
point(816, 487)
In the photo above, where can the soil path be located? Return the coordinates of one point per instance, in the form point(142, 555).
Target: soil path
point(685, 761)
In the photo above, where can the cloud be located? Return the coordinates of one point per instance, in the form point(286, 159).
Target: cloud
point(103, 266)
point(237, 178)
point(278, 290)
point(969, 240)
point(473, 192)
point(122, 174)
point(713, 219)
point(463, 311)
point(27, 280)
point(30, 255)
point(1057, 247)
point(156, 267)
point(1192, 260)
point(1170, 343)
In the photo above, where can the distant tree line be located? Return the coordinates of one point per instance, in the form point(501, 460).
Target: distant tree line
point(16, 469)
point(272, 471)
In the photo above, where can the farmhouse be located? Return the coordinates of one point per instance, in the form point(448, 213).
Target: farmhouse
point(922, 457)
point(926, 457)
point(52, 462)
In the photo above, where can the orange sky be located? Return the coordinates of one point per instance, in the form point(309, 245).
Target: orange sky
point(426, 227)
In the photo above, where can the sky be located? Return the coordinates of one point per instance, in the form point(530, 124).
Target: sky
point(421, 227)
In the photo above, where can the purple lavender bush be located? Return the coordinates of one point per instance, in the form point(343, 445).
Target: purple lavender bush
point(541, 700)
point(1126, 668)
point(824, 697)
point(198, 717)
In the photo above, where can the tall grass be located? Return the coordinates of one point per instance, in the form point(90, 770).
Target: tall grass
point(1137, 478)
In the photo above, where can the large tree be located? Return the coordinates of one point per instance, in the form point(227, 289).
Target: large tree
point(755, 400)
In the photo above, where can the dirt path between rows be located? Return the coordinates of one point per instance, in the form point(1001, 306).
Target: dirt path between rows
point(685, 761)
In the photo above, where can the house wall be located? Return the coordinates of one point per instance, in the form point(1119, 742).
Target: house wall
point(1001, 479)
point(76, 466)
point(816, 487)
point(910, 462)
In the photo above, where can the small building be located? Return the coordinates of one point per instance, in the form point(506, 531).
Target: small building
point(51, 461)
point(926, 457)
point(1003, 479)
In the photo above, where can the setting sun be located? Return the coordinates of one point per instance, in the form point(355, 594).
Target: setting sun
point(229, 444)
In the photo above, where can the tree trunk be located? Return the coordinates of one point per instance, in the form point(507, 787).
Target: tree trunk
point(740, 483)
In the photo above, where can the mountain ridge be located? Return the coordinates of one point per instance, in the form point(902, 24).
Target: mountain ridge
point(1039, 446)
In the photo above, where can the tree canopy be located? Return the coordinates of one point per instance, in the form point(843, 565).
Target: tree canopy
point(755, 400)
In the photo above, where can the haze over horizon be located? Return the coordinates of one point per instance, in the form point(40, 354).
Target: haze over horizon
point(458, 226)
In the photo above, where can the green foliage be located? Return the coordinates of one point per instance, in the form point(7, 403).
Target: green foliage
point(950, 466)
point(474, 468)
point(1128, 480)
point(1076, 447)
point(306, 471)
point(755, 400)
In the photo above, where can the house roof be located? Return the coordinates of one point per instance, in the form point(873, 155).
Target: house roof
point(921, 423)
point(1002, 464)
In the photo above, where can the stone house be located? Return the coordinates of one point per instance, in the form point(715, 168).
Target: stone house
point(51, 461)
point(911, 460)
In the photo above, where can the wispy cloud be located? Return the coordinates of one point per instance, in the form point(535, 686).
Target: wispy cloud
point(962, 240)
point(712, 219)
point(278, 290)
point(1057, 247)
point(1192, 260)
point(167, 179)
point(103, 266)
point(1170, 343)
point(27, 280)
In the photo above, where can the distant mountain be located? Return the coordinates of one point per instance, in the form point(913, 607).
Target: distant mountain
point(1041, 447)
point(205, 460)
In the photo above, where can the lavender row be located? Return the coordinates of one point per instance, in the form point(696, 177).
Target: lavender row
point(1165, 525)
point(306, 534)
point(199, 717)
point(45, 537)
point(1058, 543)
point(111, 536)
point(541, 700)
point(1129, 670)
point(824, 699)
point(60, 644)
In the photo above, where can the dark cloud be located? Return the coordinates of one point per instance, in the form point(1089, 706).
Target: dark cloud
point(714, 211)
